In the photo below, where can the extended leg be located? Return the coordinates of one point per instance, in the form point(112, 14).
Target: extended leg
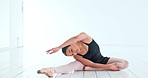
point(76, 65)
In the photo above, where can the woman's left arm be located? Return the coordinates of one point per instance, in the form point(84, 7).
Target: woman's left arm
point(80, 37)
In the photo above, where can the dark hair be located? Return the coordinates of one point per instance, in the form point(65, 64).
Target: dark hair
point(64, 49)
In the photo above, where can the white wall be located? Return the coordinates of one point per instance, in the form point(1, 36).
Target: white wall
point(4, 24)
point(16, 23)
point(11, 24)
point(11, 33)
point(47, 23)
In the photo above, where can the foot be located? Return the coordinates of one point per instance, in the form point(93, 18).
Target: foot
point(47, 71)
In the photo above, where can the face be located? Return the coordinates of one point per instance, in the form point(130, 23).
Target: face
point(72, 50)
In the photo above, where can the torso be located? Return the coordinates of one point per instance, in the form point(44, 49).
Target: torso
point(83, 47)
point(91, 51)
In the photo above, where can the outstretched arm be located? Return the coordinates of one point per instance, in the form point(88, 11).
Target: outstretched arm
point(80, 37)
point(89, 63)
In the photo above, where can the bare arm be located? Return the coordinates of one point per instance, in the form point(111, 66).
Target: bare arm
point(90, 63)
point(80, 37)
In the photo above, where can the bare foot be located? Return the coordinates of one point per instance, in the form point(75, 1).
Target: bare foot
point(47, 71)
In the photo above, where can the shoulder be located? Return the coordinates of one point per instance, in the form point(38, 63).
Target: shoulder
point(88, 38)
point(84, 37)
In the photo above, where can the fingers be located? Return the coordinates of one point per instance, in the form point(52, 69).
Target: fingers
point(53, 50)
point(115, 67)
point(118, 66)
point(49, 51)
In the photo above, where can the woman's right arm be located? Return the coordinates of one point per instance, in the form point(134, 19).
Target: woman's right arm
point(89, 63)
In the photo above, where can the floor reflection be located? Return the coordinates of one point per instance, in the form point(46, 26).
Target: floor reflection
point(11, 63)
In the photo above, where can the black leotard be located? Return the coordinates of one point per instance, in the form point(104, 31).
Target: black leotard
point(94, 53)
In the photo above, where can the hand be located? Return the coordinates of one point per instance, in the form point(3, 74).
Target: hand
point(53, 50)
point(113, 67)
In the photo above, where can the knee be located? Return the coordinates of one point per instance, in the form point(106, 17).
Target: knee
point(125, 64)
point(77, 65)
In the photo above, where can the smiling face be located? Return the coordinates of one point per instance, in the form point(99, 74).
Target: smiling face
point(72, 50)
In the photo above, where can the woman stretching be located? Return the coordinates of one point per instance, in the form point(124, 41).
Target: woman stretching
point(87, 54)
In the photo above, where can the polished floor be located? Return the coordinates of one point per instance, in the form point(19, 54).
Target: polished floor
point(24, 62)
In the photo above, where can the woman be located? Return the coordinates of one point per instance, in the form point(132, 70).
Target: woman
point(87, 54)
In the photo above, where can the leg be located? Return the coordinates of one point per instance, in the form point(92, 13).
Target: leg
point(92, 68)
point(121, 63)
point(76, 65)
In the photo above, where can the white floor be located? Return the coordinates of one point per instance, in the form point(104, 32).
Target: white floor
point(24, 62)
